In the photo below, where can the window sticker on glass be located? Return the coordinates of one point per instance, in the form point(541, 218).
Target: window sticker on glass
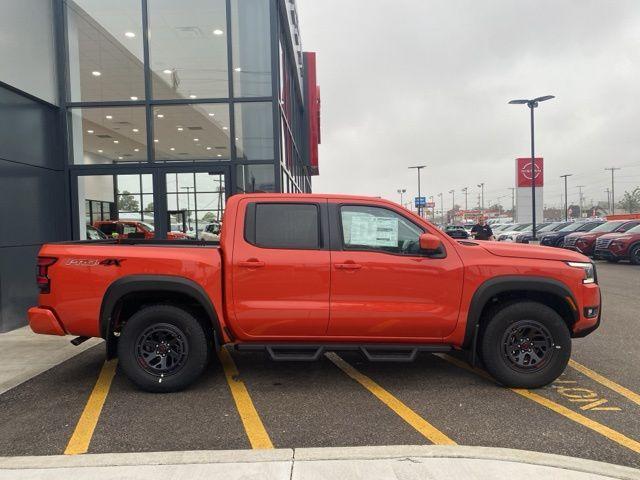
point(373, 231)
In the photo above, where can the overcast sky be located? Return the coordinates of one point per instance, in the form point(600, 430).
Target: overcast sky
point(408, 82)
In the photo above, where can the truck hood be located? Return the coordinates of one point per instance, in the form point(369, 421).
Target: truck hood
point(536, 252)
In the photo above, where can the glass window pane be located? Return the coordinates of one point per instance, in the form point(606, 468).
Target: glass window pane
point(287, 226)
point(108, 135)
point(192, 132)
point(374, 228)
point(105, 50)
point(128, 183)
point(209, 182)
point(188, 48)
point(254, 131)
point(251, 46)
point(255, 178)
point(147, 203)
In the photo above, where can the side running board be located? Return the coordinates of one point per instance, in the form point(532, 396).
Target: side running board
point(312, 352)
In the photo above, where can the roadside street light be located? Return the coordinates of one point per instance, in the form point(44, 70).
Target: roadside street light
point(481, 187)
point(453, 204)
point(418, 168)
point(401, 191)
point(466, 191)
point(566, 204)
point(441, 208)
point(532, 104)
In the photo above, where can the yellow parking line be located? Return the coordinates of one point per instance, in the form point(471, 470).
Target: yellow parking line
point(597, 427)
point(412, 418)
point(81, 438)
point(625, 392)
point(258, 436)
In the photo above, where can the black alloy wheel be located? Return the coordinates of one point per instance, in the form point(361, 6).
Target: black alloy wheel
point(162, 349)
point(527, 345)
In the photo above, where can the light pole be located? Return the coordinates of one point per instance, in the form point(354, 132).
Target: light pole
point(613, 197)
point(513, 203)
point(532, 104)
point(401, 191)
point(441, 208)
point(581, 198)
point(453, 204)
point(465, 190)
point(418, 168)
point(566, 203)
point(481, 187)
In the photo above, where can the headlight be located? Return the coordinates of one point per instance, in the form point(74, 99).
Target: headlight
point(589, 270)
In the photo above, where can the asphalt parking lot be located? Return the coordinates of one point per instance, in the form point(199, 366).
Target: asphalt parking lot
point(592, 411)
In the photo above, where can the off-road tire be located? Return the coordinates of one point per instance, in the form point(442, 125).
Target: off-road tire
point(183, 347)
point(501, 358)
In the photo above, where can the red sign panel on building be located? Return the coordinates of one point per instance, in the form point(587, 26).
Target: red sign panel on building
point(523, 172)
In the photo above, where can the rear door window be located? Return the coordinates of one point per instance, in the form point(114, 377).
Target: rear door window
point(284, 226)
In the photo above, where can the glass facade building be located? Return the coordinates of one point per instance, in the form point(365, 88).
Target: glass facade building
point(199, 99)
point(142, 117)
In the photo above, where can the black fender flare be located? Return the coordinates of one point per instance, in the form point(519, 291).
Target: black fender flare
point(506, 283)
point(143, 283)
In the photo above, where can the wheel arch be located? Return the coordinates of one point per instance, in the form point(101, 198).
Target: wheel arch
point(492, 292)
point(169, 287)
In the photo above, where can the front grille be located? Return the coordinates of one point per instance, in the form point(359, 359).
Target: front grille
point(603, 243)
point(570, 241)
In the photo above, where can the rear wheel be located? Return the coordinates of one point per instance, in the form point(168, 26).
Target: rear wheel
point(163, 348)
point(634, 255)
point(526, 344)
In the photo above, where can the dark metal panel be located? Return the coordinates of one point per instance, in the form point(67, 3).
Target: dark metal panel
point(18, 290)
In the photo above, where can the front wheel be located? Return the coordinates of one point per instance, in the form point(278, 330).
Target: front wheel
point(634, 255)
point(526, 345)
point(163, 348)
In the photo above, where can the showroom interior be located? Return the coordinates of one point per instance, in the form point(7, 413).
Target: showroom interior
point(145, 111)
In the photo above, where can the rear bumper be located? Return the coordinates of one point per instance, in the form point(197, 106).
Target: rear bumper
point(45, 322)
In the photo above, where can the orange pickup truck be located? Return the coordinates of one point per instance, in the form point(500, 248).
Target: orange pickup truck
point(298, 275)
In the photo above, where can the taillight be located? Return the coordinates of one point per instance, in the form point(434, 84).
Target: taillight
point(42, 269)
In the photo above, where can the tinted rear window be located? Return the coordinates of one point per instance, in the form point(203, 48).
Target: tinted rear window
point(290, 225)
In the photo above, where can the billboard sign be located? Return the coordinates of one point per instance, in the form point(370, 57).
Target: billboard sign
point(523, 172)
point(420, 201)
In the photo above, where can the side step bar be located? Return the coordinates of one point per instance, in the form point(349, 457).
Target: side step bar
point(306, 352)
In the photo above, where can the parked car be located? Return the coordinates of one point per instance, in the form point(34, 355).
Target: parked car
point(585, 242)
point(132, 229)
point(456, 231)
point(556, 239)
point(527, 236)
point(517, 228)
point(210, 232)
point(620, 246)
point(93, 233)
point(297, 275)
point(529, 230)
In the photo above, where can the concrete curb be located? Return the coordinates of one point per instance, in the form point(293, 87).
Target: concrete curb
point(415, 452)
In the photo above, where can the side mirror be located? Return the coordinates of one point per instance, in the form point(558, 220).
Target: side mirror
point(429, 242)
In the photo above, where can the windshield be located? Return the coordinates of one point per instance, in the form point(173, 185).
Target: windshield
point(548, 228)
point(146, 226)
point(519, 228)
point(572, 227)
point(587, 227)
point(608, 227)
point(634, 230)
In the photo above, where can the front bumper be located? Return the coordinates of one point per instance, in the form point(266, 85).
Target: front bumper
point(45, 322)
point(607, 255)
point(591, 297)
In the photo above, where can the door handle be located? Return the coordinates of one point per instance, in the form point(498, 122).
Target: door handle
point(348, 266)
point(251, 263)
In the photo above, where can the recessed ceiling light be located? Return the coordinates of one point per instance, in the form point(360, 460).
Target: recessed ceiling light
point(160, 115)
point(172, 149)
point(89, 131)
point(237, 139)
point(129, 34)
point(208, 148)
point(155, 140)
point(180, 129)
point(167, 71)
point(134, 98)
point(136, 149)
point(237, 69)
point(119, 158)
point(135, 130)
point(96, 73)
point(217, 31)
point(99, 151)
point(108, 117)
point(116, 141)
point(193, 96)
point(225, 128)
point(196, 139)
point(219, 155)
point(211, 114)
